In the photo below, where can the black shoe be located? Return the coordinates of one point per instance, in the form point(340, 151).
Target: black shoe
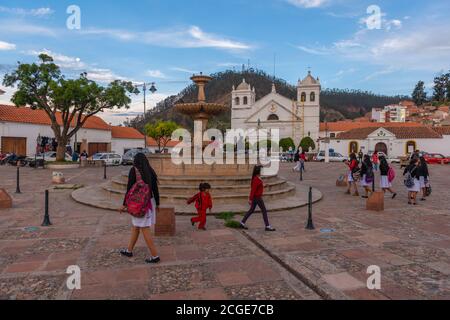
point(126, 253)
point(193, 223)
point(423, 199)
point(152, 260)
point(365, 197)
point(270, 229)
point(243, 226)
point(394, 195)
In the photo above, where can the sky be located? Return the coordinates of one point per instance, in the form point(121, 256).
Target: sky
point(383, 46)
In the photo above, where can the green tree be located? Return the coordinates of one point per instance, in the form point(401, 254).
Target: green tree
point(440, 87)
point(419, 95)
point(285, 143)
point(67, 103)
point(161, 132)
point(307, 143)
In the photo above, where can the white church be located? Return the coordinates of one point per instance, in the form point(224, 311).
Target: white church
point(294, 119)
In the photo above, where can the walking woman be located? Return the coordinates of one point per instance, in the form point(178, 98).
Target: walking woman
point(255, 199)
point(142, 170)
point(385, 182)
point(412, 182)
point(423, 177)
point(367, 175)
point(354, 170)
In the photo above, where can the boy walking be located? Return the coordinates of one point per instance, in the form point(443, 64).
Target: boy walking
point(203, 202)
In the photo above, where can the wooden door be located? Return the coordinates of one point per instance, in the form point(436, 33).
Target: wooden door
point(14, 144)
point(97, 148)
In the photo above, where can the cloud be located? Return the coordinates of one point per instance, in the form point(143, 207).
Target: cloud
point(103, 75)
point(156, 74)
point(191, 37)
point(61, 60)
point(6, 46)
point(308, 3)
point(39, 12)
point(314, 51)
point(183, 70)
point(21, 27)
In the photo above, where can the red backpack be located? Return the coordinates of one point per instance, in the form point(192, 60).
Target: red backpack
point(138, 199)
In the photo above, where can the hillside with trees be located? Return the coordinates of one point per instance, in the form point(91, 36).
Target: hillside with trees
point(336, 104)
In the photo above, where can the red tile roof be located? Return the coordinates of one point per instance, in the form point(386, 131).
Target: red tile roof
point(349, 125)
point(9, 113)
point(152, 143)
point(421, 132)
point(125, 133)
point(445, 131)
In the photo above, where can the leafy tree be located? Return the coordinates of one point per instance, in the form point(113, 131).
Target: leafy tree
point(419, 95)
point(161, 132)
point(285, 143)
point(440, 87)
point(448, 85)
point(67, 103)
point(307, 143)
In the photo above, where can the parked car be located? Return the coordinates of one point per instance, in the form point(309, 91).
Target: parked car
point(49, 156)
point(436, 158)
point(128, 157)
point(334, 157)
point(110, 159)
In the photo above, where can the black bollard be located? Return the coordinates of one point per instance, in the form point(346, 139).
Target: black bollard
point(301, 174)
point(35, 161)
point(46, 221)
point(18, 179)
point(373, 184)
point(310, 225)
point(104, 170)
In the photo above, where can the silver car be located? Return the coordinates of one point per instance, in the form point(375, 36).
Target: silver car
point(128, 157)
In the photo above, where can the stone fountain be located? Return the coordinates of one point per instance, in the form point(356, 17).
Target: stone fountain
point(230, 182)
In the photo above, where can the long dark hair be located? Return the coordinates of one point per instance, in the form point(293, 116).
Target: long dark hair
point(367, 161)
point(353, 156)
point(423, 162)
point(383, 161)
point(145, 169)
point(256, 171)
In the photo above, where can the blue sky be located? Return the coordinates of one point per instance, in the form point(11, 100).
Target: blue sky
point(167, 40)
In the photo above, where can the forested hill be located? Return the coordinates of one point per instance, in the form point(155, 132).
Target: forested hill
point(336, 104)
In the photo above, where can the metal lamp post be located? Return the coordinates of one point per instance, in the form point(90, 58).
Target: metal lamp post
point(152, 89)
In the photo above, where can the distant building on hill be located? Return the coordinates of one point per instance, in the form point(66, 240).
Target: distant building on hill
point(391, 113)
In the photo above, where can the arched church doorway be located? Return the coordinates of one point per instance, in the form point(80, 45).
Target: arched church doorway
point(381, 147)
point(353, 147)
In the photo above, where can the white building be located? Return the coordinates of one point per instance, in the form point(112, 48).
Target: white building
point(391, 113)
point(294, 118)
point(21, 128)
point(393, 141)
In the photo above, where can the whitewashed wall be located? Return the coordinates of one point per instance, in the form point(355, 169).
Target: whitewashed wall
point(32, 131)
point(120, 145)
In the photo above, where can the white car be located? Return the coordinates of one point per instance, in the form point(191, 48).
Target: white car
point(389, 160)
point(110, 159)
point(334, 157)
point(49, 156)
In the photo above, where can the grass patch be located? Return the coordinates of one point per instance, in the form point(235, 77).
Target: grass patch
point(225, 216)
point(232, 224)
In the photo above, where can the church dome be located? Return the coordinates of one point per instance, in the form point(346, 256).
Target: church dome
point(309, 80)
point(243, 86)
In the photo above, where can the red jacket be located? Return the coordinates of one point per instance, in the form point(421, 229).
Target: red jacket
point(257, 188)
point(203, 201)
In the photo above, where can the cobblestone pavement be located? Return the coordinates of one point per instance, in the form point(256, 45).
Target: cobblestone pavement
point(410, 244)
point(217, 264)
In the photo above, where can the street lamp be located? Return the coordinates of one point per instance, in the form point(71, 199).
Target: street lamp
point(152, 89)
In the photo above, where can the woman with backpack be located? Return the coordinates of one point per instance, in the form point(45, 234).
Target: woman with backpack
point(387, 176)
point(353, 174)
point(423, 177)
point(412, 182)
point(142, 202)
point(367, 175)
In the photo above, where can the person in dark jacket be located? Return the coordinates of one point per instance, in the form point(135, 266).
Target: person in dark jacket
point(385, 184)
point(255, 199)
point(148, 175)
point(423, 177)
point(413, 170)
point(366, 175)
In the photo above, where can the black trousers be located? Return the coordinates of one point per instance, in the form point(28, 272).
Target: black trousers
point(260, 203)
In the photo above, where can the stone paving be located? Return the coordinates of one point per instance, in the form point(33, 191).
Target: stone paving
point(217, 264)
point(410, 244)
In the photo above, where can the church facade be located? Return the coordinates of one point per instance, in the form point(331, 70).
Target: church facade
point(294, 118)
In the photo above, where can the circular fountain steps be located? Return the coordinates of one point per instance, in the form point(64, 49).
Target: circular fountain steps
point(230, 194)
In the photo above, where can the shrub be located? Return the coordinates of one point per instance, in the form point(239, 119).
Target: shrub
point(306, 143)
point(286, 143)
point(232, 224)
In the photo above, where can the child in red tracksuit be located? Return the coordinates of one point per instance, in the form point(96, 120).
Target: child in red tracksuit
point(203, 202)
